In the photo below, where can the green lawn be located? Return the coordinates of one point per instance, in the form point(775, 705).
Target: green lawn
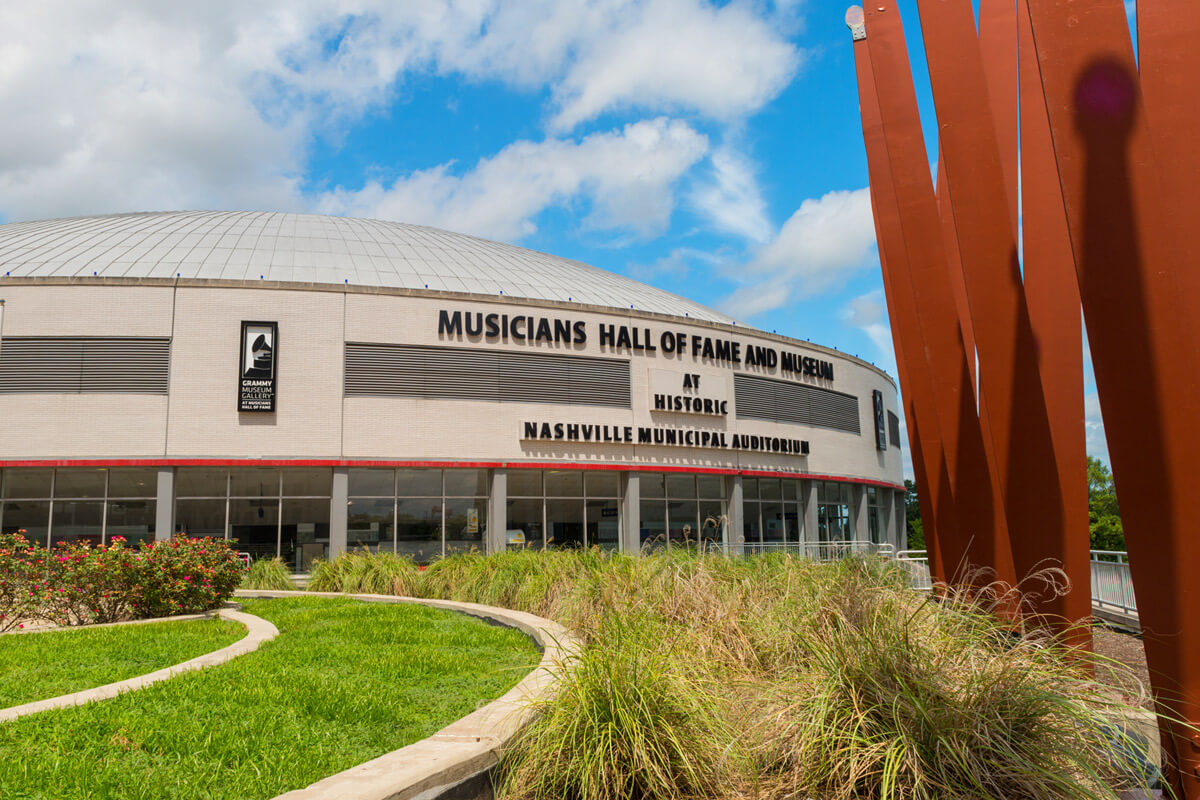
point(343, 683)
point(35, 666)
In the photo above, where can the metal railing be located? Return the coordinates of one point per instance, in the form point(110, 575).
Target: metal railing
point(1112, 583)
point(917, 564)
point(821, 551)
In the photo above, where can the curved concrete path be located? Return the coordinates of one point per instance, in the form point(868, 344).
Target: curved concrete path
point(257, 631)
point(463, 749)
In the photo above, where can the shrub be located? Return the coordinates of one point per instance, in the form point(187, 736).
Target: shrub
point(77, 583)
point(365, 572)
point(268, 573)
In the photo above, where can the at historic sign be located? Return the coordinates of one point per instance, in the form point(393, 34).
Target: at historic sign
point(259, 359)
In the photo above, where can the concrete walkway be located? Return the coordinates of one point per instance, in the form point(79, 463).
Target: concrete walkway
point(257, 631)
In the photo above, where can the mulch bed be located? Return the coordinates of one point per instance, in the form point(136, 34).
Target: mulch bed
point(1126, 650)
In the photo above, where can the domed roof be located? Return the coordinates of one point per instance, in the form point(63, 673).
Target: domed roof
point(308, 248)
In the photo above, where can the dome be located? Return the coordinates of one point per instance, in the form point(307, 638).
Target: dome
point(309, 248)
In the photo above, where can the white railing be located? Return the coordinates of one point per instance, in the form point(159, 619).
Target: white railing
point(1112, 583)
point(917, 564)
point(821, 551)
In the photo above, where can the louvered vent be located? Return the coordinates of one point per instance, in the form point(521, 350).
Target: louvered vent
point(780, 401)
point(450, 373)
point(84, 365)
point(893, 430)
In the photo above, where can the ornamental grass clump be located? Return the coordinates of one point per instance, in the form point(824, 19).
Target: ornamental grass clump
point(710, 676)
point(365, 572)
point(269, 574)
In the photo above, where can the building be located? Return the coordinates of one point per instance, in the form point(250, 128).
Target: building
point(306, 384)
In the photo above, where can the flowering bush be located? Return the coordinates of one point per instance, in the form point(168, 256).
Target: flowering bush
point(77, 583)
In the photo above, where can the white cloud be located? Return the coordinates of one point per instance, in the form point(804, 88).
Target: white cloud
point(1097, 444)
point(868, 313)
point(627, 177)
point(818, 248)
point(158, 105)
point(730, 198)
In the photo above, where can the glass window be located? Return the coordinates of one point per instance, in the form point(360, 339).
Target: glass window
point(133, 520)
point(200, 518)
point(307, 482)
point(466, 483)
point(564, 523)
point(370, 524)
point(32, 483)
point(200, 482)
point(793, 519)
point(419, 528)
point(77, 521)
point(789, 489)
point(768, 488)
point(603, 484)
point(604, 524)
point(524, 524)
point(419, 482)
point(525, 483)
point(29, 518)
point(466, 524)
point(681, 486)
point(254, 526)
point(712, 524)
point(652, 484)
point(684, 516)
point(772, 522)
point(304, 533)
point(564, 483)
point(653, 534)
point(750, 488)
point(133, 483)
point(254, 482)
point(711, 487)
point(751, 524)
point(372, 483)
point(79, 483)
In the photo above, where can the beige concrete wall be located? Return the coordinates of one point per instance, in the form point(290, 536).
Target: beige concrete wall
point(315, 421)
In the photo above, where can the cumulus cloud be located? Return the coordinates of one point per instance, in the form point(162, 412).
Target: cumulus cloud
point(730, 198)
point(868, 313)
point(626, 175)
point(825, 241)
point(147, 105)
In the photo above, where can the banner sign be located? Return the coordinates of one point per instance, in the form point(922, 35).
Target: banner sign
point(259, 360)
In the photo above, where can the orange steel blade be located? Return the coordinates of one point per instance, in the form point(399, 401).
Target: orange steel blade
point(998, 44)
point(1009, 373)
point(975, 483)
point(1134, 282)
point(1052, 293)
point(935, 494)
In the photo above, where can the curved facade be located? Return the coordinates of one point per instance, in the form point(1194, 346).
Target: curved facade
point(305, 384)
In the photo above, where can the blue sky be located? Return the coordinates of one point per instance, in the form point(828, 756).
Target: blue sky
point(711, 149)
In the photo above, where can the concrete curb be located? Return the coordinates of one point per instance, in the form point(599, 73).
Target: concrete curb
point(463, 749)
point(52, 628)
point(257, 632)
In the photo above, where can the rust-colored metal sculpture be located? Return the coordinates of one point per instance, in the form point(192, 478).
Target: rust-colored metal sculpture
point(1108, 186)
point(976, 485)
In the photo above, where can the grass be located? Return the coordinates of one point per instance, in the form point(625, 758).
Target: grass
point(36, 666)
point(268, 574)
point(709, 676)
point(364, 572)
point(344, 682)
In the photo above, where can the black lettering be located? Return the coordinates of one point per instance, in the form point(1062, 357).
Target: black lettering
point(581, 333)
point(628, 433)
point(723, 350)
point(558, 430)
point(492, 323)
point(644, 435)
point(623, 337)
point(562, 331)
point(516, 321)
point(450, 323)
point(660, 402)
point(667, 341)
point(572, 431)
point(543, 331)
point(531, 429)
point(697, 344)
point(475, 330)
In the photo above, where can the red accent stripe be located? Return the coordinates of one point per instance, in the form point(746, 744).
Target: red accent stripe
point(394, 463)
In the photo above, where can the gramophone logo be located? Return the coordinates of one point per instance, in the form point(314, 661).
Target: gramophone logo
point(256, 382)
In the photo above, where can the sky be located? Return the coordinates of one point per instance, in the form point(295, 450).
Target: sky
point(710, 149)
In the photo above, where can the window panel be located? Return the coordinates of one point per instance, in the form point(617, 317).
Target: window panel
point(603, 484)
point(684, 519)
point(77, 521)
point(304, 534)
point(28, 483)
point(604, 524)
point(653, 533)
point(790, 489)
point(29, 518)
point(768, 489)
point(682, 487)
point(79, 483)
point(772, 522)
point(200, 518)
point(466, 524)
point(254, 526)
point(133, 483)
point(711, 487)
point(564, 483)
point(419, 482)
point(254, 482)
point(525, 527)
point(750, 488)
point(713, 523)
point(419, 528)
point(307, 482)
point(372, 483)
point(370, 523)
point(466, 483)
point(200, 482)
point(525, 483)
point(564, 523)
point(133, 520)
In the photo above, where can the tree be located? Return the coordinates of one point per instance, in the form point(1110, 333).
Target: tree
point(912, 517)
point(1104, 514)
